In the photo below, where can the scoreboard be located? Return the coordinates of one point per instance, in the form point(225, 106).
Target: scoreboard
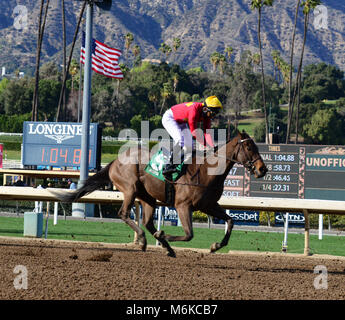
point(294, 171)
point(58, 144)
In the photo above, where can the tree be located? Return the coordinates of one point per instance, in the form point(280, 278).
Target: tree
point(258, 5)
point(167, 92)
point(215, 60)
point(63, 87)
point(165, 49)
point(136, 52)
point(322, 81)
point(17, 96)
point(128, 42)
point(308, 5)
point(326, 127)
point(64, 66)
point(290, 108)
point(176, 44)
point(256, 58)
point(242, 86)
point(3, 84)
point(110, 106)
point(229, 51)
point(40, 33)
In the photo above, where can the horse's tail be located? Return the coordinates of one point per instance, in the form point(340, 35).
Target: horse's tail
point(94, 182)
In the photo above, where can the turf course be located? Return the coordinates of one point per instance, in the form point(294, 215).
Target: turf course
point(113, 232)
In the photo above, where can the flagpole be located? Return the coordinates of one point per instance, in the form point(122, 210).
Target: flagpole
point(80, 79)
point(85, 139)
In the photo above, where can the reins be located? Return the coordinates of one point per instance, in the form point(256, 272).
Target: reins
point(248, 164)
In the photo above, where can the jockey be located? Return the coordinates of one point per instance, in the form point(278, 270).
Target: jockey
point(178, 118)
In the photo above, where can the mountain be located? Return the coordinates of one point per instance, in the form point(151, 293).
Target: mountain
point(204, 26)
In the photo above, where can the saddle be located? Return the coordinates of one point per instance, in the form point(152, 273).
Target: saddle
point(155, 168)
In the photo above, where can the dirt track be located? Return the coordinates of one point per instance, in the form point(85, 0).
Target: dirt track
point(66, 270)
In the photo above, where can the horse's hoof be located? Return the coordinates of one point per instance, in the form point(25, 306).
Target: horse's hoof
point(143, 244)
point(214, 247)
point(171, 254)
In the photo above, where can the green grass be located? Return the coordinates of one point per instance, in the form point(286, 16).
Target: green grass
point(249, 124)
point(120, 233)
point(12, 154)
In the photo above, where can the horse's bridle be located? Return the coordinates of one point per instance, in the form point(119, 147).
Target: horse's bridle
point(248, 164)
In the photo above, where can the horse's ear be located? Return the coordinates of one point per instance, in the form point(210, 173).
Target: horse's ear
point(239, 133)
point(244, 134)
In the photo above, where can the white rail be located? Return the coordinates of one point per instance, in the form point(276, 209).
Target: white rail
point(306, 206)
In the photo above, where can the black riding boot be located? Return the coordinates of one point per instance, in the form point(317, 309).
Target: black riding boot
point(170, 168)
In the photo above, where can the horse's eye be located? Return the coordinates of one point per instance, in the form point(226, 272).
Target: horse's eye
point(249, 148)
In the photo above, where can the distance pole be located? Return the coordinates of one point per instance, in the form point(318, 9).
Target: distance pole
point(320, 226)
point(286, 230)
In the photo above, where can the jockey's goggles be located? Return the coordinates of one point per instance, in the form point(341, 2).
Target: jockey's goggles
point(213, 111)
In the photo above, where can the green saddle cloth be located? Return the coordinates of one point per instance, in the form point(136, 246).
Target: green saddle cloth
point(157, 164)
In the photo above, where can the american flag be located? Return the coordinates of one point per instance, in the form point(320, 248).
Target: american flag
point(104, 59)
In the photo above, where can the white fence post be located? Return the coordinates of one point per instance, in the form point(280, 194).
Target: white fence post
point(286, 230)
point(159, 222)
point(320, 226)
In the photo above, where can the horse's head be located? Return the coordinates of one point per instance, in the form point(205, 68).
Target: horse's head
point(247, 154)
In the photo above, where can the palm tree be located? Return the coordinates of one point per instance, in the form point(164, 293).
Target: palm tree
point(285, 68)
point(136, 52)
point(215, 60)
point(70, 59)
point(222, 63)
point(166, 49)
point(307, 5)
point(229, 51)
point(128, 42)
point(166, 93)
point(64, 50)
point(258, 5)
point(176, 44)
point(275, 56)
point(176, 79)
point(41, 28)
point(256, 58)
point(73, 70)
point(291, 69)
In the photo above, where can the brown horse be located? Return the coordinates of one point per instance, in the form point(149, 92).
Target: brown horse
point(199, 188)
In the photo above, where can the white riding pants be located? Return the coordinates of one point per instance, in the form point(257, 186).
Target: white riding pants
point(180, 132)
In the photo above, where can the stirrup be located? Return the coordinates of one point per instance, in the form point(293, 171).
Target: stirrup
point(170, 168)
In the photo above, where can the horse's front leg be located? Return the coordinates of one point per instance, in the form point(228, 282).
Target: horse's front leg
point(218, 212)
point(185, 215)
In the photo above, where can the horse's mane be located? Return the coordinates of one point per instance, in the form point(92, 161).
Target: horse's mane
point(243, 134)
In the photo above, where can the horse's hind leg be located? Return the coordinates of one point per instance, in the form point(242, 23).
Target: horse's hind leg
point(218, 212)
point(185, 215)
point(148, 211)
point(124, 214)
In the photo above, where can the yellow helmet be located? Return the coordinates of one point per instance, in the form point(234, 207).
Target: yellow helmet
point(213, 102)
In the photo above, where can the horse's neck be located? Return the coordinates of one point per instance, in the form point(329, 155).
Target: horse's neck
point(225, 155)
point(228, 151)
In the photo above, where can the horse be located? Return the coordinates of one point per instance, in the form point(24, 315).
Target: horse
point(196, 189)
